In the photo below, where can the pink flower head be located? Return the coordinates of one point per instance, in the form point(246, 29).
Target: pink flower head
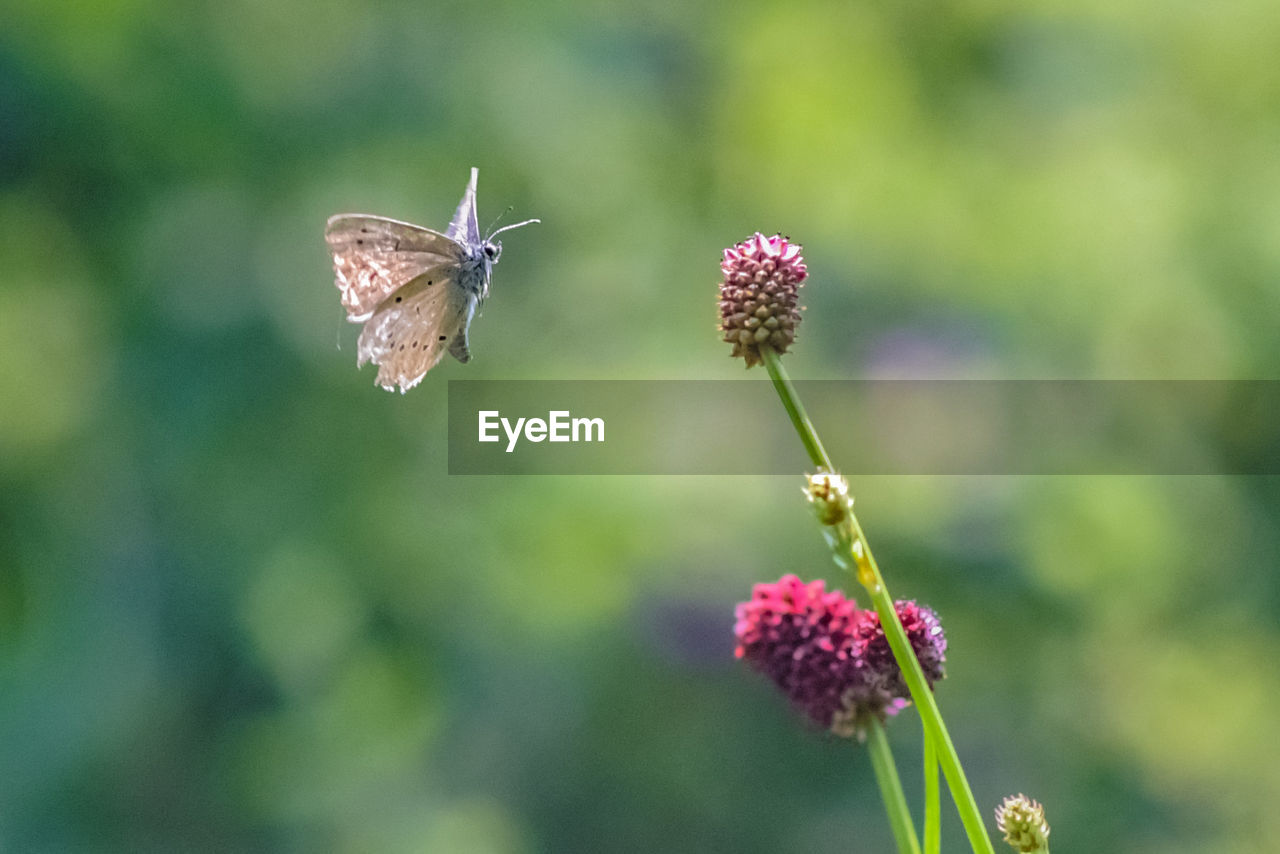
point(805, 640)
point(824, 653)
point(758, 296)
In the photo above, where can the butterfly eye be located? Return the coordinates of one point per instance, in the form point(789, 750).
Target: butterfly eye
point(492, 250)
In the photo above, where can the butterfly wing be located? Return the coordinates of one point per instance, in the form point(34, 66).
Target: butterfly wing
point(374, 256)
point(410, 331)
point(464, 228)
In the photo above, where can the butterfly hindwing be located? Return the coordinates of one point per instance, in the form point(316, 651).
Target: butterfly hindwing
point(410, 331)
point(374, 256)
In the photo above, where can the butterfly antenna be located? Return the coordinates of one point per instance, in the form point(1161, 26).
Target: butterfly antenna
point(498, 219)
point(513, 225)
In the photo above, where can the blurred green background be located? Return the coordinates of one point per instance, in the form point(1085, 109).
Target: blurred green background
point(243, 606)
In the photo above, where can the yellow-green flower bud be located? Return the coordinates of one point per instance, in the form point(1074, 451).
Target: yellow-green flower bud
point(1021, 820)
point(828, 492)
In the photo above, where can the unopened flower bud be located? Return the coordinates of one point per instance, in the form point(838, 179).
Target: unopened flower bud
point(1021, 820)
point(828, 492)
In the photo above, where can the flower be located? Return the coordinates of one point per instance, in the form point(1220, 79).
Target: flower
point(825, 653)
point(758, 295)
point(804, 639)
point(924, 631)
point(1022, 822)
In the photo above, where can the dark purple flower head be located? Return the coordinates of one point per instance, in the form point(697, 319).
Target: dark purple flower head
point(758, 296)
point(829, 657)
point(924, 631)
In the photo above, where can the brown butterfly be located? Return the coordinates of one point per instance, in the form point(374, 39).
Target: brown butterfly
point(416, 290)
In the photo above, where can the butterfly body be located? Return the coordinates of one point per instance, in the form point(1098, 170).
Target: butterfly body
point(415, 290)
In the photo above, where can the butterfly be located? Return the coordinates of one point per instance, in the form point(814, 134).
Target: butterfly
point(414, 289)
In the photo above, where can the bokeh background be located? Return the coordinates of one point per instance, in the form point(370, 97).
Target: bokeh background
point(244, 608)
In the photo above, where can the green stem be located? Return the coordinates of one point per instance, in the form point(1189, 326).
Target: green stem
point(791, 401)
point(926, 704)
point(850, 550)
point(932, 812)
point(895, 802)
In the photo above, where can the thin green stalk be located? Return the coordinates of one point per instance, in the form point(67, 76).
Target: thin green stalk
point(851, 551)
point(932, 811)
point(895, 802)
point(923, 697)
point(791, 401)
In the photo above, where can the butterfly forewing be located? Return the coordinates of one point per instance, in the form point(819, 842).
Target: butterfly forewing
point(464, 227)
point(374, 256)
